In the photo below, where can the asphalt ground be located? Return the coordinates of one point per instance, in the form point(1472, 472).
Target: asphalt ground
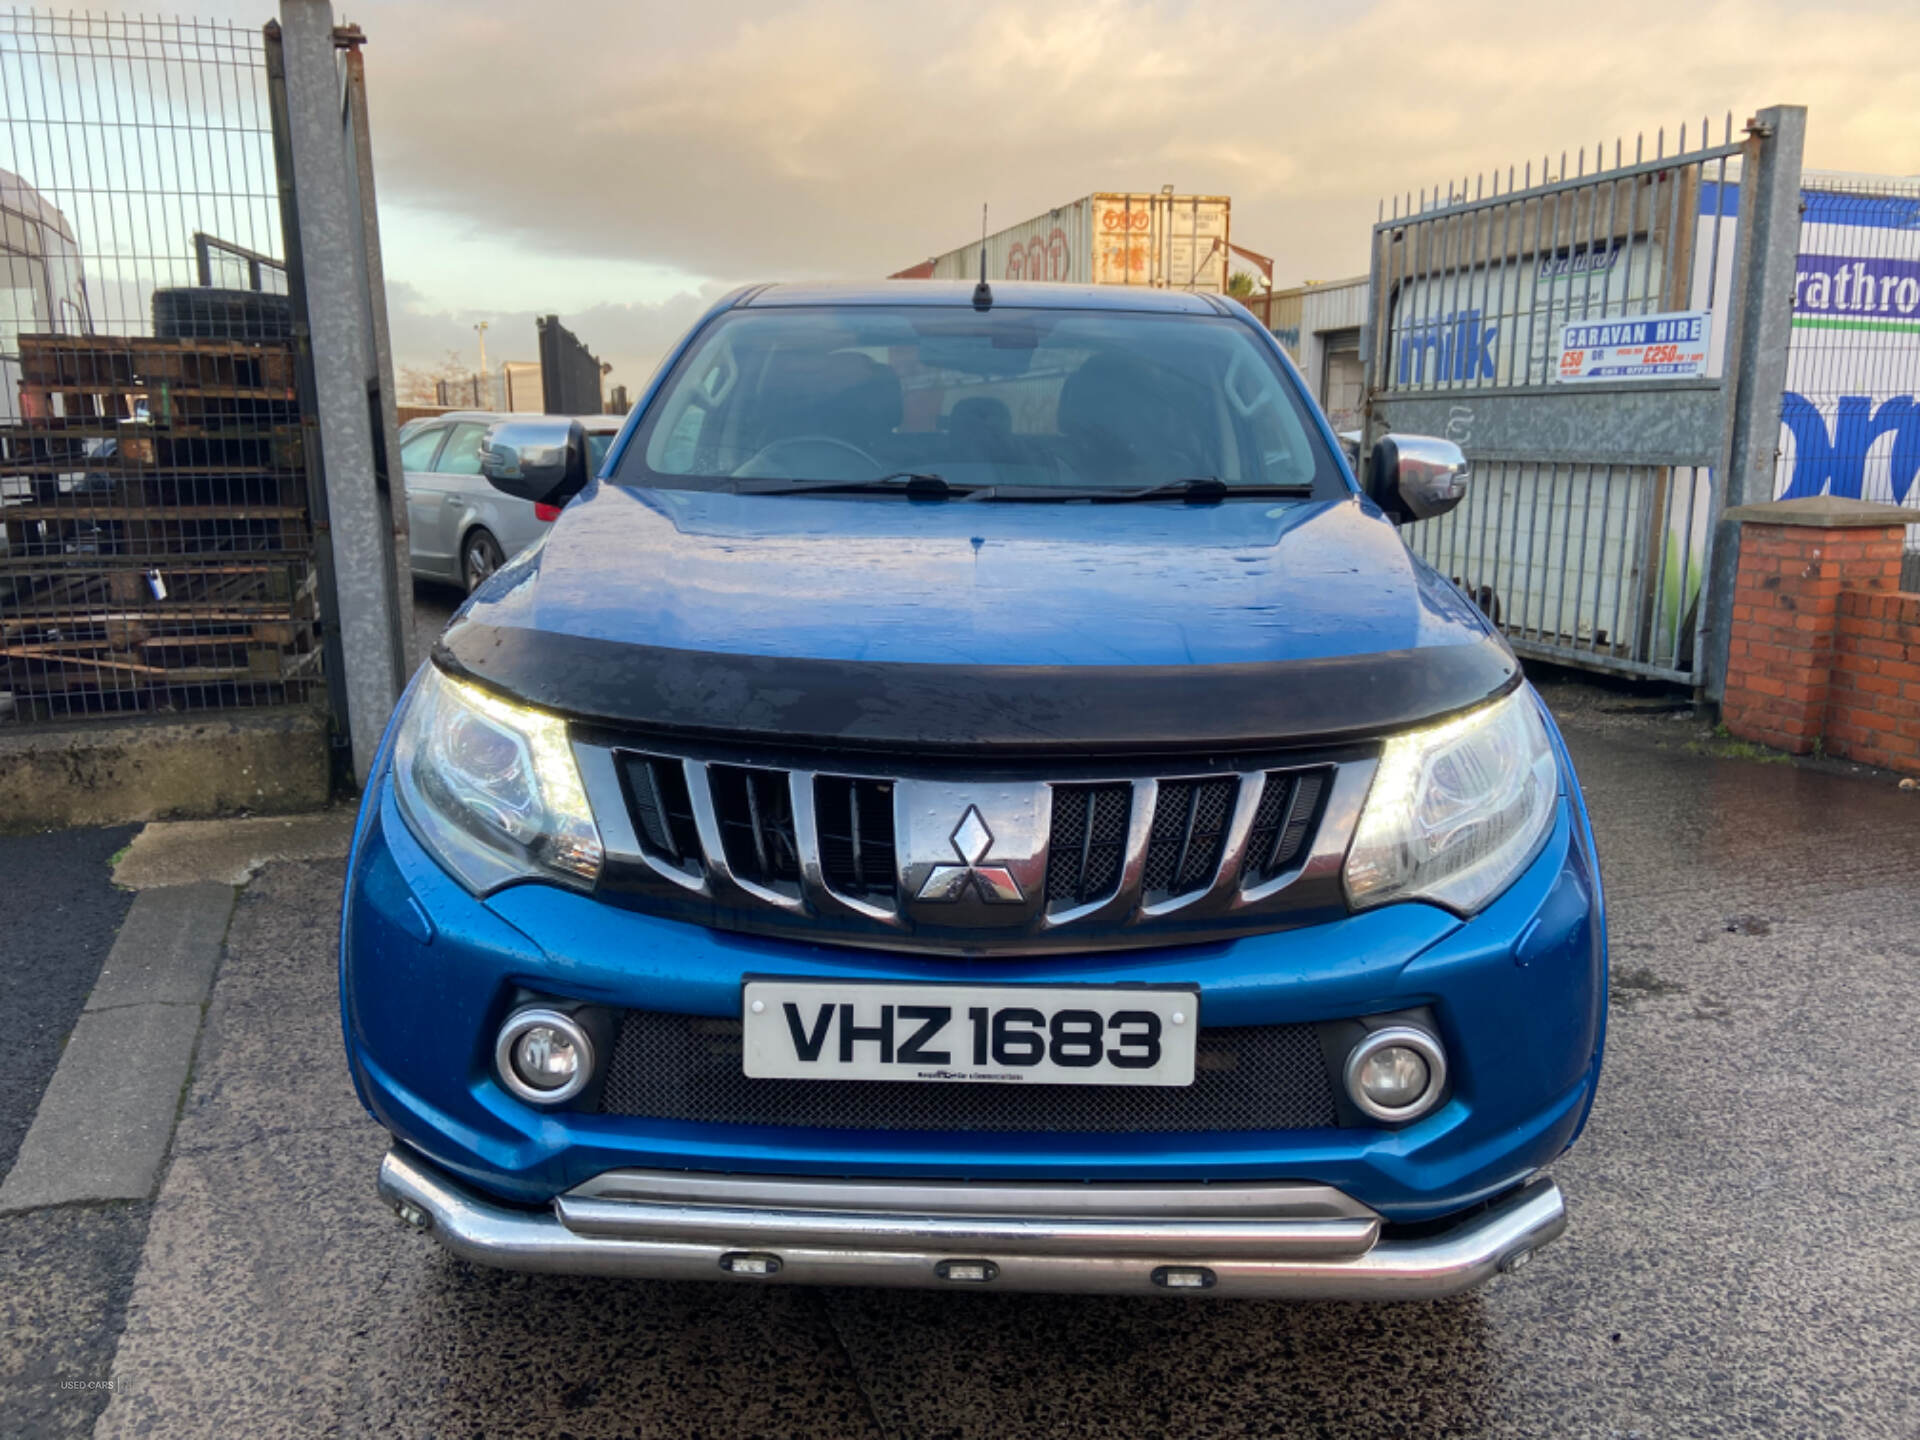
point(433, 606)
point(64, 1273)
point(1743, 1257)
point(58, 917)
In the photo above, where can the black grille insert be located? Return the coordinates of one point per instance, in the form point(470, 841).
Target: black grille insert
point(1088, 842)
point(1283, 823)
point(855, 818)
point(687, 1067)
point(755, 811)
point(662, 813)
point(1189, 832)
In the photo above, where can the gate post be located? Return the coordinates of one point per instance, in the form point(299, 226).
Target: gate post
point(328, 270)
point(1769, 239)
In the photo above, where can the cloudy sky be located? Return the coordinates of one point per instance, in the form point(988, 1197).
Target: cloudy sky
point(619, 161)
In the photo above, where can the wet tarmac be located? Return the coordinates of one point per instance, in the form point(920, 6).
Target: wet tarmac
point(1743, 1257)
point(433, 607)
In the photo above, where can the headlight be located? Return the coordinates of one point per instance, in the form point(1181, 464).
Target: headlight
point(1456, 810)
point(491, 787)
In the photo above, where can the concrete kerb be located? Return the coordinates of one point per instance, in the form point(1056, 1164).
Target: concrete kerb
point(229, 852)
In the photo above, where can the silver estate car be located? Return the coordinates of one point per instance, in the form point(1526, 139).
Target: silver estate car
point(461, 528)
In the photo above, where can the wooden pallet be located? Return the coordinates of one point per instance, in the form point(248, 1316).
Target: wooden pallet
point(176, 571)
point(189, 590)
point(83, 507)
point(56, 655)
point(137, 362)
point(156, 515)
point(169, 660)
point(211, 406)
point(179, 600)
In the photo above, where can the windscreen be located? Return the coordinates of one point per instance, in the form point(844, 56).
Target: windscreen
point(1032, 400)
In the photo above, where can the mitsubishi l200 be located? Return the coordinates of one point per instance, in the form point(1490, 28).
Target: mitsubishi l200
point(976, 793)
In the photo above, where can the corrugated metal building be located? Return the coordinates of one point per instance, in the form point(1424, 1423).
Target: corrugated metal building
point(1320, 327)
point(1330, 319)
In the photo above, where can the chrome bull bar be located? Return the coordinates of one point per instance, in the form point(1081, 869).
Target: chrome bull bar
point(1272, 1241)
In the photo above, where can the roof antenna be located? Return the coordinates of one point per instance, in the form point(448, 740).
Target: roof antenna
point(983, 292)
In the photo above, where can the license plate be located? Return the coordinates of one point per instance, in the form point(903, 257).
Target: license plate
point(1006, 1034)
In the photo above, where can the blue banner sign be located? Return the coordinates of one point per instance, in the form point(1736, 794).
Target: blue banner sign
point(1859, 287)
point(1639, 347)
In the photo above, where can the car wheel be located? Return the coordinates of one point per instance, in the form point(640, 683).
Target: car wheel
point(480, 556)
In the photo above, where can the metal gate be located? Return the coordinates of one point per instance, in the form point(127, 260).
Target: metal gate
point(1587, 532)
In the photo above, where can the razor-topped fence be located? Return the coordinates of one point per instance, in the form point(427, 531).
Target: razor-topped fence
point(1585, 333)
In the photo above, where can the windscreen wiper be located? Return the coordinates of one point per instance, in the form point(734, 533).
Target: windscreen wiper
point(1195, 490)
point(1202, 490)
point(914, 484)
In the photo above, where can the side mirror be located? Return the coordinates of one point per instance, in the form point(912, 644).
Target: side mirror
point(544, 461)
point(1416, 477)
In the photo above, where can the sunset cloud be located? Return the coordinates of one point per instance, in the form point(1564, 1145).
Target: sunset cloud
point(582, 142)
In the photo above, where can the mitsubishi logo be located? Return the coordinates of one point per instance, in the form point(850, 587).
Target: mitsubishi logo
point(971, 841)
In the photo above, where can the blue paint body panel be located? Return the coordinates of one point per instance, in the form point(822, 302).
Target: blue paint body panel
point(849, 578)
point(428, 970)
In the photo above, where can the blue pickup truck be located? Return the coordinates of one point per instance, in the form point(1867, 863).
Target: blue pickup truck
point(976, 793)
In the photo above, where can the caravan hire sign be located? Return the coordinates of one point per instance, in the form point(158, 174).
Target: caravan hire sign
point(1639, 347)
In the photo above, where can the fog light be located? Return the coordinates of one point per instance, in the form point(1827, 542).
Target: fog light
point(1393, 1077)
point(1396, 1074)
point(543, 1056)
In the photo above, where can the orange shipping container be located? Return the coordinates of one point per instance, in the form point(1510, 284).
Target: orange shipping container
point(1168, 242)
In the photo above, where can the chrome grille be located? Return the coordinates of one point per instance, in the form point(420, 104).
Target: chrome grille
point(957, 858)
point(1088, 842)
point(687, 1067)
point(656, 791)
point(856, 835)
point(1189, 831)
point(1289, 804)
point(755, 811)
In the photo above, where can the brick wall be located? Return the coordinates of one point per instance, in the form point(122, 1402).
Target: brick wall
point(1824, 647)
point(1873, 700)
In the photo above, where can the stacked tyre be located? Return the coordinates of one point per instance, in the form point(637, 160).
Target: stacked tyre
point(198, 312)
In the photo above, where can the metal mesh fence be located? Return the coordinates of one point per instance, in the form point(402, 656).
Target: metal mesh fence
point(155, 545)
point(1851, 414)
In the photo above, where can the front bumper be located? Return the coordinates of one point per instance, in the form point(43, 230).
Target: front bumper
point(1271, 1241)
point(429, 973)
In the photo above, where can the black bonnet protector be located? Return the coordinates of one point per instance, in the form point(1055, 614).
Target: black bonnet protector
point(984, 709)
